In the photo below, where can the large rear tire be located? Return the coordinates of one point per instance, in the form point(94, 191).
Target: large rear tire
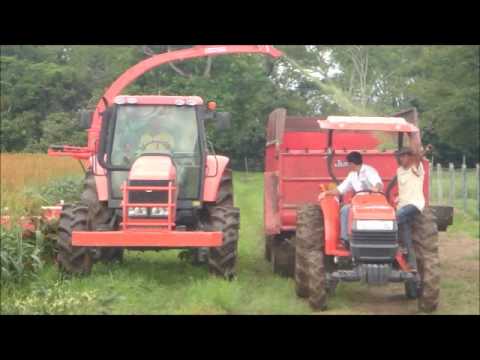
point(301, 273)
point(224, 217)
point(425, 242)
point(310, 273)
point(73, 259)
point(99, 215)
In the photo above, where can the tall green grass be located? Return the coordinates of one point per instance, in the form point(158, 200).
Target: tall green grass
point(24, 253)
point(20, 255)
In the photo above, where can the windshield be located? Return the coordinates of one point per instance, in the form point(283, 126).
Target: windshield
point(142, 129)
point(153, 129)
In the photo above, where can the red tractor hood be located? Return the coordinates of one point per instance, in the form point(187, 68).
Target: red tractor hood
point(158, 167)
point(371, 206)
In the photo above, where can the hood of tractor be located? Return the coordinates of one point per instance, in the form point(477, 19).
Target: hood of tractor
point(153, 167)
point(371, 206)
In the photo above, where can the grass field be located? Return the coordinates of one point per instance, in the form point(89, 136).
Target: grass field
point(160, 283)
point(21, 171)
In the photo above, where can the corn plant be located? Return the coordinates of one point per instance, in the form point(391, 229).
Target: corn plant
point(20, 256)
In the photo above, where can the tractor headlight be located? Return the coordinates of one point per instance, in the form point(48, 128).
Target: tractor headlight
point(386, 225)
point(137, 212)
point(159, 212)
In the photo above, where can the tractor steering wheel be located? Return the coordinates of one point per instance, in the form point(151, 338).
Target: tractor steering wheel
point(164, 143)
point(370, 192)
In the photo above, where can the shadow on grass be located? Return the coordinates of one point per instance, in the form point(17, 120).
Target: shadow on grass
point(157, 268)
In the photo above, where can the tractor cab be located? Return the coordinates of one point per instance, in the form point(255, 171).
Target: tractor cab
point(151, 140)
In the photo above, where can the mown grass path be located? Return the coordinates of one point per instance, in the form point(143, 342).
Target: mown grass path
point(160, 283)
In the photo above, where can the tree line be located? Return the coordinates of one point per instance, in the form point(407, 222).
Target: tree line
point(42, 88)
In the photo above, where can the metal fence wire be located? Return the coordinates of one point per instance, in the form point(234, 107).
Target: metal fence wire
point(457, 186)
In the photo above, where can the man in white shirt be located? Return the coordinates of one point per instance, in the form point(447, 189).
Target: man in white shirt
point(362, 177)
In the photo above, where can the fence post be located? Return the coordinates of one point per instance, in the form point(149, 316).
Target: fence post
point(478, 190)
point(439, 184)
point(451, 199)
point(430, 181)
point(464, 184)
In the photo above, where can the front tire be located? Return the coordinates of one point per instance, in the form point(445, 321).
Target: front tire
point(222, 259)
point(99, 215)
point(73, 259)
point(310, 273)
point(224, 217)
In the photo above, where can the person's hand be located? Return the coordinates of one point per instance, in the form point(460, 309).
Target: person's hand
point(322, 195)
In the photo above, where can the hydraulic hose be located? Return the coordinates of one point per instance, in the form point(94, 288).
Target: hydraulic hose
point(329, 166)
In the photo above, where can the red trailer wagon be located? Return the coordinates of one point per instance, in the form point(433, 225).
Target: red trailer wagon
point(300, 157)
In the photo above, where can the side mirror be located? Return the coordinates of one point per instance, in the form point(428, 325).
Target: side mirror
point(223, 120)
point(85, 119)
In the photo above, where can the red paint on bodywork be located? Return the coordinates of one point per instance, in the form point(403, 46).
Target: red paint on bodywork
point(318, 141)
point(122, 238)
point(77, 152)
point(270, 204)
point(159, 167)
point(215, 168)
point(50, 213)
point(128, 77)
point(331, 218)
point(371, 206)
point(402, 262)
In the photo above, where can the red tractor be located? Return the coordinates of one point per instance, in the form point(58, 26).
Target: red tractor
point(151, 180)
point(305, 155)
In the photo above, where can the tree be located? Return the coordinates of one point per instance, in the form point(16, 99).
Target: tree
point(43, 86)
point(445, 88)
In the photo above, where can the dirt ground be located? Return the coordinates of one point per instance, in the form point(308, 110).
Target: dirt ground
point(460, 276)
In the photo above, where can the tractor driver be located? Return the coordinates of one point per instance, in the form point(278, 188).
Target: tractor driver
point(159, 135)
point(361, 177)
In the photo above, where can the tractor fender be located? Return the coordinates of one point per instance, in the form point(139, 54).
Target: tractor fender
point(331, 216)
point(215, 168)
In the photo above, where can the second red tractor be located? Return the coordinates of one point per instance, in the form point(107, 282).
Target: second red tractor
point(305, 155)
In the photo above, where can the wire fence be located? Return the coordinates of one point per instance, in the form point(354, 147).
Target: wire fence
point(450, 184)
point(457, 186)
